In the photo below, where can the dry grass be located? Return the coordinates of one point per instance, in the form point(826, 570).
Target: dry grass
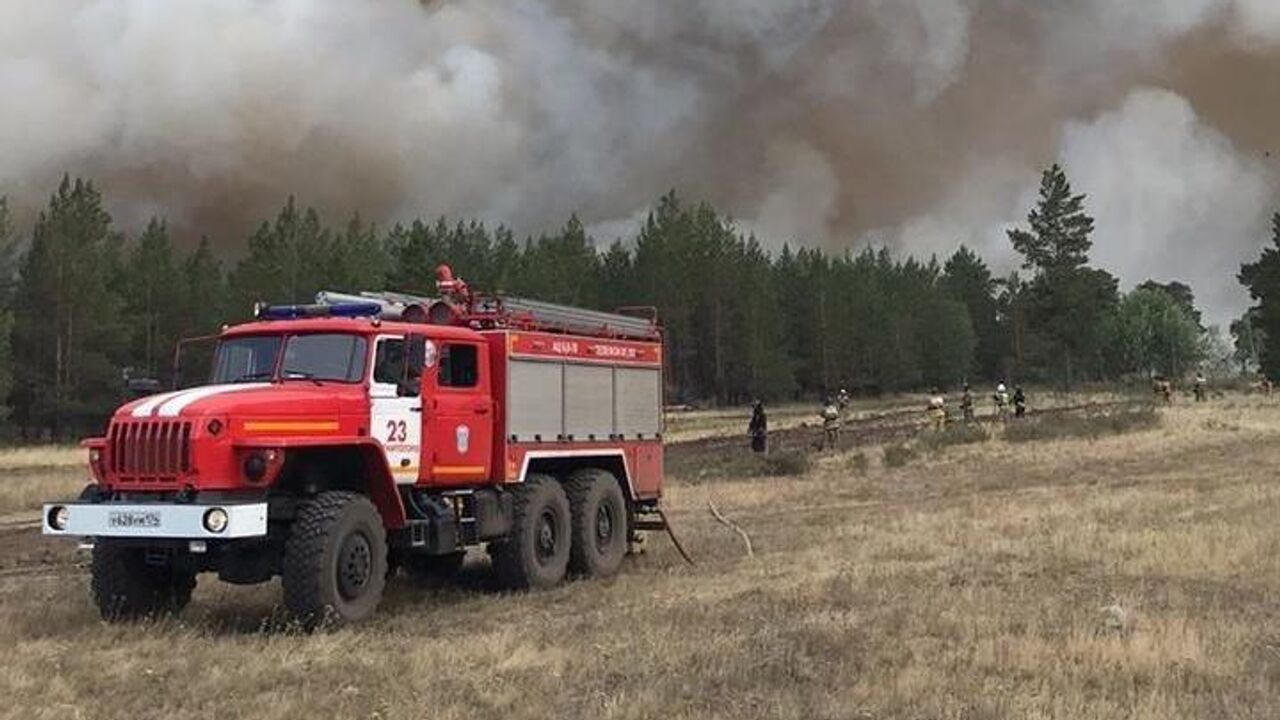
point(30, 476)
point(41, 457)
point(1129, 576)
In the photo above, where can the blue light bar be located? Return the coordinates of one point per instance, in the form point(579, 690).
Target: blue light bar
point(293, 312)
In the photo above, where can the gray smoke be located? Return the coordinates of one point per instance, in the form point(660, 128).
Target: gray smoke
point(914, 123)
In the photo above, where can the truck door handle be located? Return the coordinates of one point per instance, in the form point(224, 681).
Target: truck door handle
point(482, 410)
point(415, 409)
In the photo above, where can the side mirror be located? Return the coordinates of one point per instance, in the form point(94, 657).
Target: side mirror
point(415, 356)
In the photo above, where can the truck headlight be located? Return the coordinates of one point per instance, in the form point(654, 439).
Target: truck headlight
point(59, 516)
point(215, 520)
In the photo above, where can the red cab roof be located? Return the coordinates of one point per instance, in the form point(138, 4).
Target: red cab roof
point(363, 326)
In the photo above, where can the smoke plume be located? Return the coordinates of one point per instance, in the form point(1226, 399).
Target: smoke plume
point(919, 124)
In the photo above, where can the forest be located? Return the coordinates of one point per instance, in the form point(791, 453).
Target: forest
point(83, 307)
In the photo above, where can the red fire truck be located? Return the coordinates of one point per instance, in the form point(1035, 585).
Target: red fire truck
point(338, 441)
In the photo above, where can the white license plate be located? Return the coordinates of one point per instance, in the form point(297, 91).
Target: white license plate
point(133, 519)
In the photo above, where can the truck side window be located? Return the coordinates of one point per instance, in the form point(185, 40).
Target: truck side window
point(388, 361)
point(459, 366)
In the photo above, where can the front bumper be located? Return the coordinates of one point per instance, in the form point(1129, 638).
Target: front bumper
point(184, 521)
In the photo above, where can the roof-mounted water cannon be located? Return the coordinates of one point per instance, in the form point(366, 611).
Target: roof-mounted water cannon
point(452, 287)
point(459, 305)
point(454, 305)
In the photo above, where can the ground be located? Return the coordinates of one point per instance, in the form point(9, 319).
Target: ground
point(1133, 575)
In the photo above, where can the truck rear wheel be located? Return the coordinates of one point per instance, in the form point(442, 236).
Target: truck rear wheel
point(536, 553)
point(335, 560)
point(126, 586)
point(599, 521)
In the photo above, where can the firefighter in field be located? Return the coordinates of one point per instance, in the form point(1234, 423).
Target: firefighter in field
point(1019, 402)
point(1001, 399)
point(966, 404)
point(758, 428)
point(1162, 388)
point(830, 424)
point(937, 410)
point(1201, 388)
point(842, 399)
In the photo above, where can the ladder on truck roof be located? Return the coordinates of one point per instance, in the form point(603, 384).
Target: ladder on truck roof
point(526, 314)
point(459, 306)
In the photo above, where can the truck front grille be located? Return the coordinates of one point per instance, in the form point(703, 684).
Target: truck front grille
point(149, 452)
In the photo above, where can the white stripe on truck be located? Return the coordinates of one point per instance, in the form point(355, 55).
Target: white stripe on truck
point(173, 406)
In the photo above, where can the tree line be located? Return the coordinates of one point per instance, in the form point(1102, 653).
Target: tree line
point(82, 307)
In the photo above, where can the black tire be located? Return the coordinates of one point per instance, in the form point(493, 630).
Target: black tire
point(126, 587)
point(335, 560)
point(535, 555)
point(432, 567)
point(599, 522)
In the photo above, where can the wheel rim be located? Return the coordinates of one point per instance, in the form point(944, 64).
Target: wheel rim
point(548, 536)
point(604, 525)
point(355, 566)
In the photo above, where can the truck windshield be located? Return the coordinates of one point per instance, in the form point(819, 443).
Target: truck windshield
point(324, 357)
point(321, 356)
point(247, 358)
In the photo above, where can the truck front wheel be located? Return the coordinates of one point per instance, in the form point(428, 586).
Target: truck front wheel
point(536, 553)
point(599, 523)
point(128, 583)
point(335, 560)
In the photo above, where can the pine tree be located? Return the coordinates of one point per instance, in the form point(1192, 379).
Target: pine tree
point(563, 267)
point(201, 311)
point(1066, 299)
point(1249, 340)
point(288, 260)
point(1262, 277)
point(8, 280)
point(1059, 238)
point(152, 292)
point(617, 273)
point(967, 279)
point(67, 324)
point(357, 259)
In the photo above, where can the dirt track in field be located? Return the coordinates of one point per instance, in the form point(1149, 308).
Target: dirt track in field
point(684, 458)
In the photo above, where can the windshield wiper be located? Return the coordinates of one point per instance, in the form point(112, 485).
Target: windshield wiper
point(301, 375)
point(260, 375)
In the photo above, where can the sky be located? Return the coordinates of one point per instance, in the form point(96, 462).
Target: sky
point(913, 124)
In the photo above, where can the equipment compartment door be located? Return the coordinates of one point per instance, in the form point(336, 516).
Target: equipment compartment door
point(395, 415)
point(460, 415)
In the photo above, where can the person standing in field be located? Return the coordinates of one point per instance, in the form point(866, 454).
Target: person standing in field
point(937, 410)
point(1019, 402)
point(1001, 399)
point(1201, 388)
point(966, 404)
point(758, 428)
point(830, 424)
point(842, 399)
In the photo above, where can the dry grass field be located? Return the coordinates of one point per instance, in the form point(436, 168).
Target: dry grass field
point(1131, 575)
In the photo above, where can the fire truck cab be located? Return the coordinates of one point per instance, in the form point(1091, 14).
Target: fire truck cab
point(337, 442)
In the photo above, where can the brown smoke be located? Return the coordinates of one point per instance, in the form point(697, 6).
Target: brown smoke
point(915, 123)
